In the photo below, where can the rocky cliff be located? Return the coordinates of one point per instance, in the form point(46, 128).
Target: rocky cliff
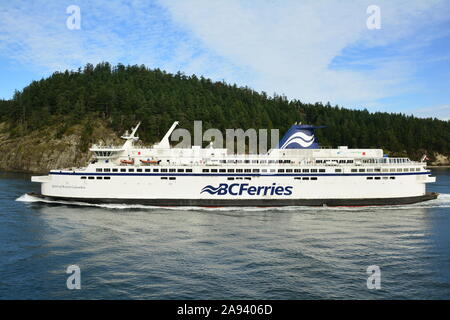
point(40, 151)
point(440, 160)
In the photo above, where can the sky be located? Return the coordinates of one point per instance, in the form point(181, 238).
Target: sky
point(311, 50)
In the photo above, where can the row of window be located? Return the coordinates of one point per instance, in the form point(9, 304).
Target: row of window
point(248, 178)
point(387, 160)
point(284, 161)
point(103, 153)
point(97, 178)
point(386, 170)
point(256, 161)
point(379, 178)
point(173, 170)
point(142, 170)
point(232, 178)
point(334, 161)
point(261, 170)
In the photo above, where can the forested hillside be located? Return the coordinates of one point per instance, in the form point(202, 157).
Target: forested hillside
point(122, 95)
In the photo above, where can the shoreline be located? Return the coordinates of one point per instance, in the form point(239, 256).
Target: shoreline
point(445, 166)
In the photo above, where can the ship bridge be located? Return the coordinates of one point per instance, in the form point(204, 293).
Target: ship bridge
point(106, 152)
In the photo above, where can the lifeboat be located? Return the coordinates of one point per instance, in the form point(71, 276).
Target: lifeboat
point(150, 161)
point(127, 161)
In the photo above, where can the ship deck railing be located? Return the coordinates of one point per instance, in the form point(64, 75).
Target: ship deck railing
point(292, 163)
point(101, 148)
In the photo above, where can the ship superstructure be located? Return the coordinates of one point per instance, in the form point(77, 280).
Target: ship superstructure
point(297, 172)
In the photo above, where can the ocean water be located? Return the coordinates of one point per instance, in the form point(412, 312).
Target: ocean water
point(138, 252)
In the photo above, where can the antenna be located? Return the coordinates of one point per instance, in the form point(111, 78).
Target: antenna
point(135, 129)
point(128, 136)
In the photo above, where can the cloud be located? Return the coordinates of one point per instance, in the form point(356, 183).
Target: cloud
point(441, 112)
point(36, 35)
point(290, 46)
point(309, 50)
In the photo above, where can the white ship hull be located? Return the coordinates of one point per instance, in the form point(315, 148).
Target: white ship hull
point(307, 175)
point(256, 190)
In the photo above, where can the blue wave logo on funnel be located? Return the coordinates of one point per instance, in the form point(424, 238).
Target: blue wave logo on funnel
point(300, 137)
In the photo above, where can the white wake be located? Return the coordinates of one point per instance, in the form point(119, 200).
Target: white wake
point(443, 201)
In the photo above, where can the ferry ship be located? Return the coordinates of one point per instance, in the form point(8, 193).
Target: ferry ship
point(297, 173)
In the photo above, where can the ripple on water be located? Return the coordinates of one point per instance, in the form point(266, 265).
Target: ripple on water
point(220, 253)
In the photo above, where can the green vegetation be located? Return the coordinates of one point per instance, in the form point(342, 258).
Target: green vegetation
point(122, 95)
